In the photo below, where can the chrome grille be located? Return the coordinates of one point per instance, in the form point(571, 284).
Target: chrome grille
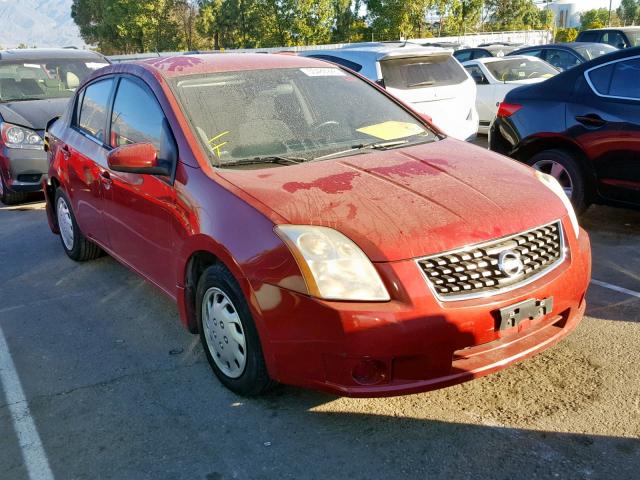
point(481, 270)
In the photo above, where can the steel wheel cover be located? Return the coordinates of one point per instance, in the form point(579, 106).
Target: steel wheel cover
point(224, 333)
point(65, 224)
point(557, 171)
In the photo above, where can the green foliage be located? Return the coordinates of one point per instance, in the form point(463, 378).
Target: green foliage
point(629, 12)
point(566, 35)
point(597, 18)
point(128, 26)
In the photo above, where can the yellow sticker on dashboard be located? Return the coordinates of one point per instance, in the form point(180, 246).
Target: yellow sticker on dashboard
point(392, 130)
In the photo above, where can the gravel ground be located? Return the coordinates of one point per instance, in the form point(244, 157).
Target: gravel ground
point(117, 389)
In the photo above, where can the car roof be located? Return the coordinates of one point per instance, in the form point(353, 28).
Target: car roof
point(485, 60)
point(183, 65)
point(34, 54)
point(383, 50)
point(624, 29)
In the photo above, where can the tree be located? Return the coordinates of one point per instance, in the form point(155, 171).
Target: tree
point(516, 15)
point(465, 15)
point(596, 18)
point(392, 19)
point(628, 11)
point(566, 35)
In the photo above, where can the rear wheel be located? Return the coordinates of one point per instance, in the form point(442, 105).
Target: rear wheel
point(567, 171)
point(228, 333)
point(7, 196)
point(74, 243)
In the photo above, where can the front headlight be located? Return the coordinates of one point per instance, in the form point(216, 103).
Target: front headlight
point(333, 267)
point(14, 136)
point(556, 188)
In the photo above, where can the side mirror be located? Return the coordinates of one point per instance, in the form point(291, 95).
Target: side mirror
point(479, 79)
point(136, 158)
point(380, 82)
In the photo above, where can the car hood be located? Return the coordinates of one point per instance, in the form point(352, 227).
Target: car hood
point(407, 203)
point(33, 113)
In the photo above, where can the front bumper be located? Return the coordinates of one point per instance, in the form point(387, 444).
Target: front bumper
point(23, 170)
point(415, 342)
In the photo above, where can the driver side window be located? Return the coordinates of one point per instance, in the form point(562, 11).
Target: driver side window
point(92, 109)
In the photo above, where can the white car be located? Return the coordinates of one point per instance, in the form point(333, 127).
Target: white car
point(428, 79)
point(496, 76)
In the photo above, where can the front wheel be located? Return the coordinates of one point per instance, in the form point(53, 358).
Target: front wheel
point(228, 333)
point(567, 171)
point(74, 243)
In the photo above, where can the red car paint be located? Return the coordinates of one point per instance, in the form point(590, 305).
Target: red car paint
point(396, 205)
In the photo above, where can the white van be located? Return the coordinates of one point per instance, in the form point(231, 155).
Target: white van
point(429, 79)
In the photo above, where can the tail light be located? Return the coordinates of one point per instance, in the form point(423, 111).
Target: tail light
point(507, 109)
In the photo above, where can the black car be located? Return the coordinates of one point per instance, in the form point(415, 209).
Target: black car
point(619, 37)
point(486, 50)
point(564, 56)
point(582, 127)
point(35, 86)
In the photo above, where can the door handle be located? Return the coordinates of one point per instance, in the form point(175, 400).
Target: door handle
point(66, 153)
point(106, 179)
point(591, 120)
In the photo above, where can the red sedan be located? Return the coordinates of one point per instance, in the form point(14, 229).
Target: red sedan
point(311, 228)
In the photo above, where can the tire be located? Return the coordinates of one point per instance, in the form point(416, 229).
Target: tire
point(74, 243)
point(573, 173)
point(8, 197)
point(219, 294)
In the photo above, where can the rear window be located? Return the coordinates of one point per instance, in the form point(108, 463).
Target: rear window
point(421, 72)
point(589, 37)
point(511, 70)
point(594, 51)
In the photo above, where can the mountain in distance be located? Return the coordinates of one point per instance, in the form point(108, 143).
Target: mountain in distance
point(43, 23)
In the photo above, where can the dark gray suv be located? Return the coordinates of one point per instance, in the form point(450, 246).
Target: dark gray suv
point(35, 86)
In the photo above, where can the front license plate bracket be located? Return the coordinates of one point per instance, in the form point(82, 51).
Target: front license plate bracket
point(531, 309)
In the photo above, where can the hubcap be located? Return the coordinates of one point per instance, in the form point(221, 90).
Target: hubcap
point(65, 224)
point(558, 172)
point(224, 333)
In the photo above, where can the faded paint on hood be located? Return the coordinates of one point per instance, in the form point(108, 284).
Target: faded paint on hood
point(410, 202)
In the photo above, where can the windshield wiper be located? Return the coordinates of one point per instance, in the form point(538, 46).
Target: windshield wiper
point(284, 160)
point(360, 149)
point(426, 83)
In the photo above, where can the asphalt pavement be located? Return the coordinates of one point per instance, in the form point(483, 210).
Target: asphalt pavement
point(100, 380)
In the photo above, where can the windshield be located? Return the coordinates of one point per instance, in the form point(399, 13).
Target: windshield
point(34, 80)
point(301, 113)
point(421, 72)
point(594, 51)
point(512, 70)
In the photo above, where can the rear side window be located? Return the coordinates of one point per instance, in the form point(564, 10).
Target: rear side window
point(463, 56)
point(615, 39)
point(356, 67)
point(618, 79)
point(482, 54)
point(136, 117)
point(421, 72)
point(561, 59)
point(531, 53)
point(93, 108)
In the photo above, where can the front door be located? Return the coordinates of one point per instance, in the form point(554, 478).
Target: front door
point(139, 209)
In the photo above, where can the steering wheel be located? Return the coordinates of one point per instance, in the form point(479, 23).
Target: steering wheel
point(328, 123)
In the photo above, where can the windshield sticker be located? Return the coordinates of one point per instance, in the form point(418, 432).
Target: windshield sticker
point(323, 72)
point(392, 130)
point(216, 147)
point(31, 65)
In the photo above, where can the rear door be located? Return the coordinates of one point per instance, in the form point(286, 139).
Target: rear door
point(606, 122)
point(84, 152)
point(139, 209)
